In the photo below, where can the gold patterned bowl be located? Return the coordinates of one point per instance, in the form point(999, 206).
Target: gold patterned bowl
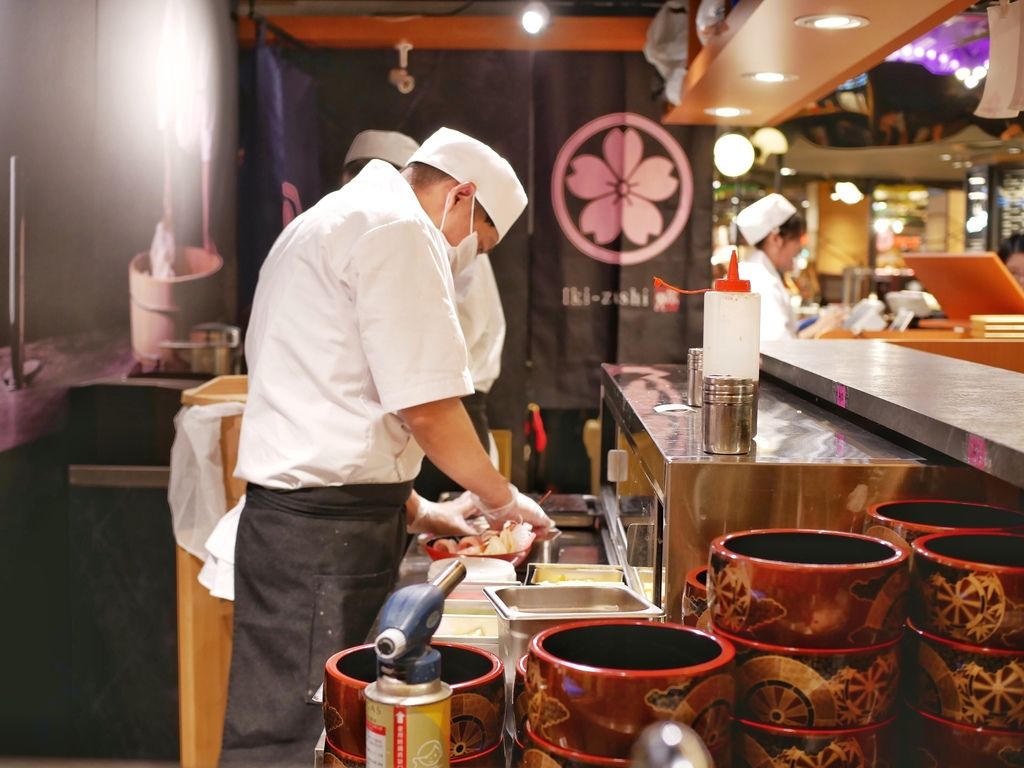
point(935, 743)
point(815, 688)
point(695, 598)
point(903, 521)
point(764, 746)
point(980, 687)
point(969, 587)
point(477, 707)
point(808, 589)
point(594, 687)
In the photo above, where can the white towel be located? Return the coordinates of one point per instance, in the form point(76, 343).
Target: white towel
point(218, 572)
point(196, 491)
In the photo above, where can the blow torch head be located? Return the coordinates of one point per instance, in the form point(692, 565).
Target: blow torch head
point(408, 621)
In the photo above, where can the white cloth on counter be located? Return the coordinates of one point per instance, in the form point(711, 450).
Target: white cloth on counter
point(196, 490)
point(218, 572)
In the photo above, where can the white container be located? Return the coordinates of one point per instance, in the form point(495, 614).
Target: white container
point(479, 631)
point(732, 328)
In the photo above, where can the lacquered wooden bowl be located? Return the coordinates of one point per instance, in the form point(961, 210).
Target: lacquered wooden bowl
point(695, 598)
point(477, 708)
point(969, 587)
point(595, 686)
point(981, 687)
point(764, 746)
point(815, 688)
point(903, 521)
point(808, 589)
point(935, 742)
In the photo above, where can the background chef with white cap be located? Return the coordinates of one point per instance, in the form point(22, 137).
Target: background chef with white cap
point(775, 228)
point(356, 368)
point(390, 146)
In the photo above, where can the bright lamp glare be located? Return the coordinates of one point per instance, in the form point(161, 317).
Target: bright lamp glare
point(734, 154)
point(535, 17)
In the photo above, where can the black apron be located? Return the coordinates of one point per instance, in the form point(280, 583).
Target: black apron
point(312, 570)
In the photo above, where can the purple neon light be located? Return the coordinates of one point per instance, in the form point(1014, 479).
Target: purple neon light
point(960, 42)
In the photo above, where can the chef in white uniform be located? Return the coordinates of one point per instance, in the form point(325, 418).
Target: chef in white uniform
point(775, 228)
point(357, 365)
point(477, 301)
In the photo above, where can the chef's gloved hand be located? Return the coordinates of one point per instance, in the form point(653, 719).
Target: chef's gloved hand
point(445, 518)
point(519, 508)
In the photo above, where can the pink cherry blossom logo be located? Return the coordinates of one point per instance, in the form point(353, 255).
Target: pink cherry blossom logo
point(620, 198)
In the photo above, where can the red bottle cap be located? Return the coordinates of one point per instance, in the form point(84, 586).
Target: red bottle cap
point(732, 281)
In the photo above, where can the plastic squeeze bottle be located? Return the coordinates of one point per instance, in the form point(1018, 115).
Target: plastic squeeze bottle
point(732, 327)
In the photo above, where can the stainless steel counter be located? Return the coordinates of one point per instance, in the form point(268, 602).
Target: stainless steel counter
point(810, 468)
point(972, 413)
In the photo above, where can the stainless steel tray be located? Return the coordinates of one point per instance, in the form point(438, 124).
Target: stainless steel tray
point(525, 611)
point(540, 574)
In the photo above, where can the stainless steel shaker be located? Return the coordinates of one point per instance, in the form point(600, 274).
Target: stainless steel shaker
point(728, 414)
point(695, 376)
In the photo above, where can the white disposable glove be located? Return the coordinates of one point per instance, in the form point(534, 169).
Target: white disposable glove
point(445, 518)
point(521, 509)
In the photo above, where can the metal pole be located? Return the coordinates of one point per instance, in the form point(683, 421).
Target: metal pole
point(16, 380)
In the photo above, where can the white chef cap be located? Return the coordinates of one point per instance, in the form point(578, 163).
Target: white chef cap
point(392, 146)
point(758, 220)
point(466, 159)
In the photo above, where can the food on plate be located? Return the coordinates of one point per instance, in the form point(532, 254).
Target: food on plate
point(513, 537)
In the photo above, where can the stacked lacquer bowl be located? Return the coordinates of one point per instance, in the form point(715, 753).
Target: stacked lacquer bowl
point(966, 650)
point(592, 688)
point(816, 618)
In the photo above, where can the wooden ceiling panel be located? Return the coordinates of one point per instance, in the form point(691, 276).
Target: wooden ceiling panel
point(761, 37)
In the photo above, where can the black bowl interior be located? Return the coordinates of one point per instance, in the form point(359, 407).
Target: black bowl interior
point(946, 514)
point(633, 646)
point(458, 665)
point(810, 548)
point(981, 548)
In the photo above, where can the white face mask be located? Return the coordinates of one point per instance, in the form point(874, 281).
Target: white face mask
point(464, 254)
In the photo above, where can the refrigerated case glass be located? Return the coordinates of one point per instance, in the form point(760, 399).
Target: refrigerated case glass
point(977, 220)
point(1008, 203)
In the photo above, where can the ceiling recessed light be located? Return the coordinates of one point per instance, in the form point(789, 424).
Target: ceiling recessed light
point(1014, 150)
point(945, 158)
point(726, 111)
point(770, 77)
point(787, 171)
point(535, 17)
point(832, 21)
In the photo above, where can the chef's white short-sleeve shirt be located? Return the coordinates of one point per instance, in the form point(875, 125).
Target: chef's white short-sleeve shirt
point(777, 318)
point(353, 320)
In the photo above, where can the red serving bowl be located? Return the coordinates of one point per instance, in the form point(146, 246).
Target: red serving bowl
point(808, 589)
point(969, 587)
point(935, 743)
point(520, 698)
point(489, 758)
point(339, 758)
point(695, 598)
point(983, 687)
point(516, 558)
point(478, 697)
point(903, 521)
point(815, 688)
point(764, 746)
point(595, 686)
